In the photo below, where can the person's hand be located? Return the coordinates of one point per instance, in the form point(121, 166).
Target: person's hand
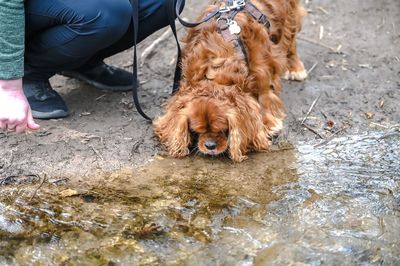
point(15, 112)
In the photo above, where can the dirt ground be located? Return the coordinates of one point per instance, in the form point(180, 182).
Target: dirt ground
point(352, 49)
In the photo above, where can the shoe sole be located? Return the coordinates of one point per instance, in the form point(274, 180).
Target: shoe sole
point(96, 84)
point(49, 115)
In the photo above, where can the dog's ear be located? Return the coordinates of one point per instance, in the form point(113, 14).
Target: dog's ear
point(173, 127)
point(246, 128)
point(236, 142)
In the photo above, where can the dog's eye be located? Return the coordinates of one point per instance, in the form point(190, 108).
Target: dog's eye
point(272, 87)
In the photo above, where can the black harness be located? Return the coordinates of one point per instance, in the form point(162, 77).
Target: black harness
point(227, 26)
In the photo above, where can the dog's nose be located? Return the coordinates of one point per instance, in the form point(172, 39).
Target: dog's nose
point(210, 144)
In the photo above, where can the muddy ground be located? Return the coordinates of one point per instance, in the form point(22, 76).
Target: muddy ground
point(351, 47)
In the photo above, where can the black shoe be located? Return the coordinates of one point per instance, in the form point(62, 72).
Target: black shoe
point(45, 102)
point(103, 77)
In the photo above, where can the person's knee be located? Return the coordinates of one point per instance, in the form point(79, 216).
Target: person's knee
point(105, 21)
point(115, 17)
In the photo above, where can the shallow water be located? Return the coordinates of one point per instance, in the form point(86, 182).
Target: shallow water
point(335, 204)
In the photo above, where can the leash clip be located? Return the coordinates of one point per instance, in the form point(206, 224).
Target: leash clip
point(224, 22)
point(236, 5)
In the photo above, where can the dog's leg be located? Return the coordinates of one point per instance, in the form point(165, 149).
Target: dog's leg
point(295, 68)
point(272, 112)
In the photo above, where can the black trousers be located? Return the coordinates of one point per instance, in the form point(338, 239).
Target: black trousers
point(73, 34)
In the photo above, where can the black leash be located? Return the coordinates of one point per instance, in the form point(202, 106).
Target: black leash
point(173, 9)
point(177, 10)
point(135, 85)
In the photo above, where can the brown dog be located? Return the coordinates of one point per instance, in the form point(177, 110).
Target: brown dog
point(229, 95)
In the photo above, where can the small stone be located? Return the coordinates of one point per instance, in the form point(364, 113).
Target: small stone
point(369, 115)
point(69, 193)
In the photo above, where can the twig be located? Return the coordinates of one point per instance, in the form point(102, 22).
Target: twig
point(173, 61)
point(36, 190)
point(386, 126)
point(381, 25)
point(313, 131)
point(150, 48)
point(390, 134)
point(101, 96)
point(311, 108)
point(135, 147)
point(323, 10)
point(11, 178)
point(96, 152)
point(55, 182)
point(379, 125)
point(312, 68)
point(318, 43)
point(330, 137)
point(321, 32)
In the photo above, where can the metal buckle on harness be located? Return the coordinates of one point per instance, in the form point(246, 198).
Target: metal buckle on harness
point(227, 23)
point(236, 5)
point(223, 22)
point(264, 21)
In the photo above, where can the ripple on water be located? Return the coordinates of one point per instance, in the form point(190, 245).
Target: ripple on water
point(332, 204)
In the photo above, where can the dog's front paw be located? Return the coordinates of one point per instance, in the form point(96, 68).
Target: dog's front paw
point(238, 157)
point(178, 152)
point(276, 128)
point(295, 70)
point(295, 75)
point(273, 124)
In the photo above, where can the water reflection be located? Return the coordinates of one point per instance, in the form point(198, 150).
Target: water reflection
point(336, 204)
point(345, 207)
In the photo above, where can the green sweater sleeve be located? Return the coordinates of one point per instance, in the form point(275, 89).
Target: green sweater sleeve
point(12, 38)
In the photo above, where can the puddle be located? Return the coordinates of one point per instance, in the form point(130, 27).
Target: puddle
point(333, 204)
